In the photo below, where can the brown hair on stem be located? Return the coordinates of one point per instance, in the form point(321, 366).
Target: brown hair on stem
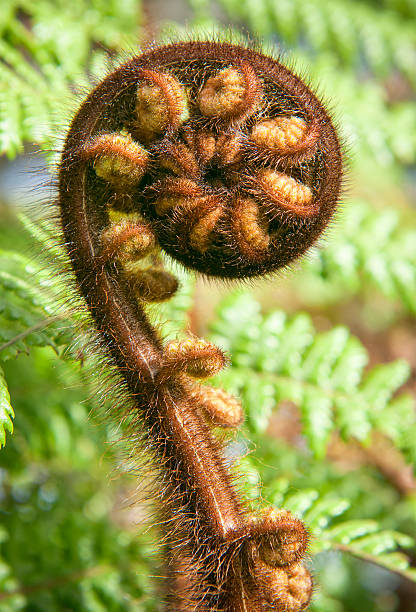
point(231, 165)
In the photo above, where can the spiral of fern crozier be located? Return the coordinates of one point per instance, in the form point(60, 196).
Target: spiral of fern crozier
point(225, 160)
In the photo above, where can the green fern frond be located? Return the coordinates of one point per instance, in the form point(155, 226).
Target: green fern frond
point(368, 248)
point(37, 95)
point(322, 511)
point(371, 126)
point(29, 313)
point(6, 410)
point(276, 357)
point(44, 235)
point(29, 111)
point(363, 538)
point(351, 31)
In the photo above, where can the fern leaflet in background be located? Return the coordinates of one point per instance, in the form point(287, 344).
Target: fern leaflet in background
point(276, 358)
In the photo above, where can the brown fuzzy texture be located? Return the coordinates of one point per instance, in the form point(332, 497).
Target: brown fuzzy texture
point(152, 285)
point(221, 408)
point(287, 140)
point(195, 357)
point(160, 105)
point(289, 539)
point(285, 193)
point(178, 127)
point(126, 241)
point(117, 159)
point(232, 94)
point(249, 230)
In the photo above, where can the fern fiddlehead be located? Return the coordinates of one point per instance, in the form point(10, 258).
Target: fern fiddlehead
point(224, 159)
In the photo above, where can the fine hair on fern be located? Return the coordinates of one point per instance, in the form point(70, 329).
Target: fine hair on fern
point(224, 159)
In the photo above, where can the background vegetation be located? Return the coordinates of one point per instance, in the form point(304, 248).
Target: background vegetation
point(323, 356)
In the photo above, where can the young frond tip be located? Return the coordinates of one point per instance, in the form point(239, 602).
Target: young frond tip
point(225, 160)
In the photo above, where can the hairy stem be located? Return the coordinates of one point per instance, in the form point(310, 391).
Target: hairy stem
point(226, 160)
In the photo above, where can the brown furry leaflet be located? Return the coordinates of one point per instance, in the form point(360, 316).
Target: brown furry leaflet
point(227, 161)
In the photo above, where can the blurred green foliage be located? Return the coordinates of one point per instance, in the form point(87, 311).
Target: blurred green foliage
point(275, 358)
point(70, 538)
